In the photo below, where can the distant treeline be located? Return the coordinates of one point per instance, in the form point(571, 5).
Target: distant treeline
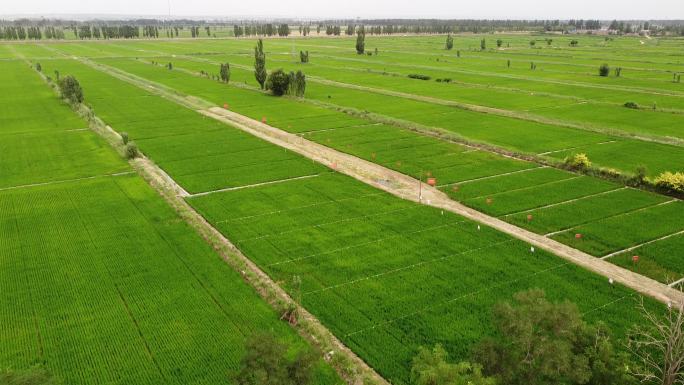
point(25, 29)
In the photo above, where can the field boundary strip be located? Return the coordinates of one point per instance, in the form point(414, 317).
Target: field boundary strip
point(567, 201)
point(679, 232)
point(61, 181)
point(400, 185)
point(252, 185)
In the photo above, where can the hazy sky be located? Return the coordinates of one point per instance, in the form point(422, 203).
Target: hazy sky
point(499, 9)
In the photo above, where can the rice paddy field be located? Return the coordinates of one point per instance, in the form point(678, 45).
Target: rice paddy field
point(384, 275)
point(100, 281)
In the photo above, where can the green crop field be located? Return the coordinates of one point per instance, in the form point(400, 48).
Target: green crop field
point(101, 282)
point(116, 288)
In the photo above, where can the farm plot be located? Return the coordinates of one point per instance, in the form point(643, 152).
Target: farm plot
point(41, 140)
point(492, 184)
point(387, 275)
point(103, 283)
point(661, 260)
point(616, 233)
point(200, 153)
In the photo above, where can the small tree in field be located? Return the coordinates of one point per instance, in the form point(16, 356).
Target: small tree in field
point(604, 70)
point(360, 41)
point(483, 44)
point(659, 346)
point(278, 82)
point(224, 72)
point(70, 89)
point(39, 68)
point(260, 64)
point(499, 42)
point(578, 161)
point(449, 42)
point(543, 343)
point(131, 150)
point(430, 367)
point(532, 43)
point(266, 362)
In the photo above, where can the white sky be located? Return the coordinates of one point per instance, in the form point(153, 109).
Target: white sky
point(477, 9)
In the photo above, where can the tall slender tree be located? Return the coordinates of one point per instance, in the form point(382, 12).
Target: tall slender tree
point(449, 42)
point(360, 41)
point(260, 64)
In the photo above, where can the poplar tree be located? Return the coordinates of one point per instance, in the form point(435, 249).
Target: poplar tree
point(360, 41)
point(449, 42)
point(225, 72)
point(260, 64)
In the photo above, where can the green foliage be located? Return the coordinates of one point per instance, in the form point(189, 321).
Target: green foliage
point(124, 137)
point(499, 42)
point(532, 43)
point(39, 68)
point(574, 43)
point(430, 367)
point(260, 64)
point(131, 150)
point(618, 71)
point(360, 41)
point(604, 70)
point(419, 76)
point(539, 342)
point(483, 44)
point(578, 161)
point(33, 376)
point(631, 105)
point(169, 66)
point(224, 72)
point(265, 362)
point(670, 181)
point(71, 89)
point(304, 56)
point(278, 82)
point(449, 42)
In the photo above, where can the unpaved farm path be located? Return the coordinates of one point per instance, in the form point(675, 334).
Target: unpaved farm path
point(409, 188)
point(401, 185)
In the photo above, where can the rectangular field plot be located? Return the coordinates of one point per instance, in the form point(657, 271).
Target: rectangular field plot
point(200, 153)
point(387, 275)
point(513, 201)
point(40, 157)
point(584, 210)
point(661, 260)
point(102, 282)
point(28, 105)
point(623, 231)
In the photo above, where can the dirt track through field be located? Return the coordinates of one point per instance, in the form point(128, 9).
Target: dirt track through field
point(400, 185)
point(409, 188)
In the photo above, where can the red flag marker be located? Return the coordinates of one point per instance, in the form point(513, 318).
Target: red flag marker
point(529, 217)
point(578, 236)
point(635, 259)
point(432, 181)
point(263, 119)
point(225, 105)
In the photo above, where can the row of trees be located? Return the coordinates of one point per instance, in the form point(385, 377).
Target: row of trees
point(264, 30)
point(30, 33)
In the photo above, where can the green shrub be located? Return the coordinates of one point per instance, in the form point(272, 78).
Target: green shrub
point(131, 150)
point(670, 181)
point(278, 82)
point(419, 76)
point(632, 105)
point(70, 89)
point(578, 161)
point(604, 70)
point(124, 137)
